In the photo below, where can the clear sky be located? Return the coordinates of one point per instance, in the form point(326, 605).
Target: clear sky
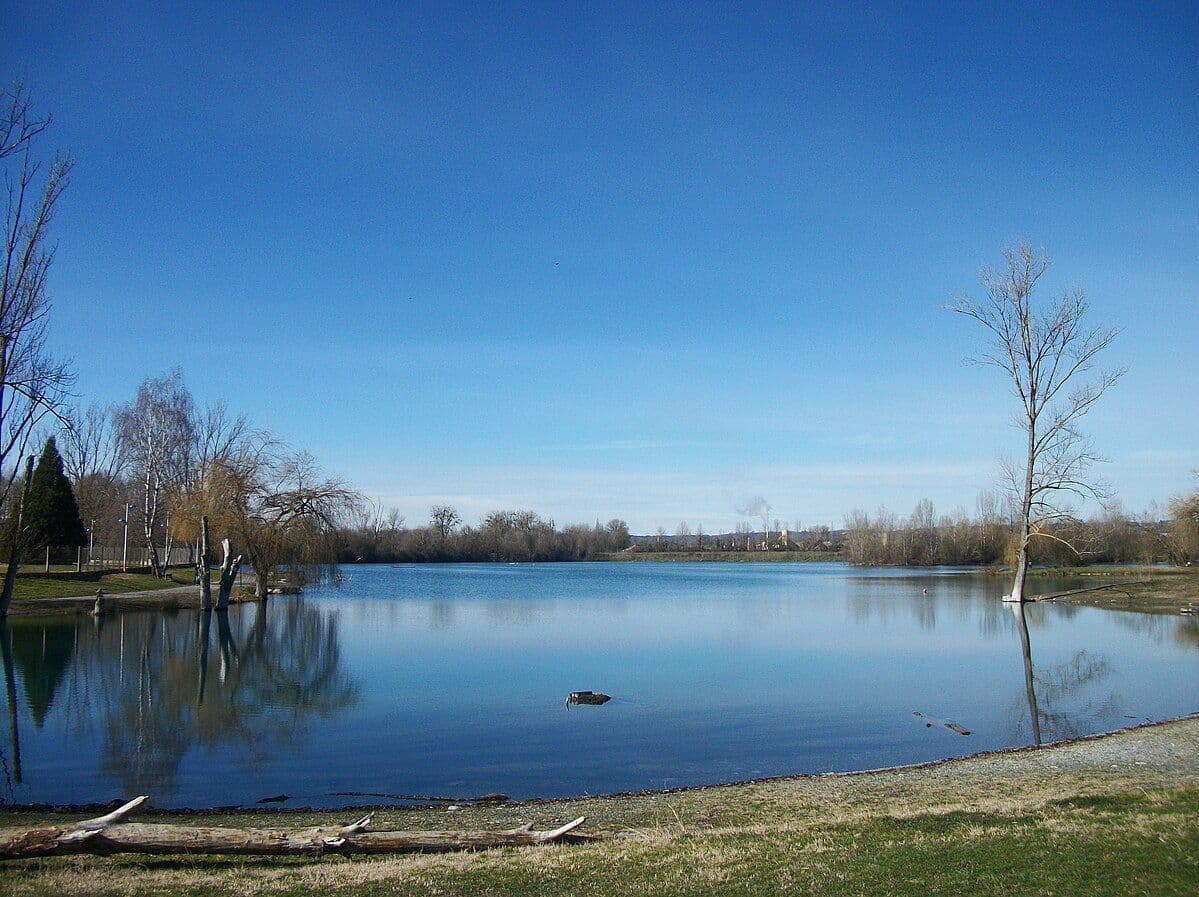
point(623, 260)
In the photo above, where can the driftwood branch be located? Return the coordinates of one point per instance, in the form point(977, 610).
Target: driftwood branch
point(110, 834)
point(1115, 586)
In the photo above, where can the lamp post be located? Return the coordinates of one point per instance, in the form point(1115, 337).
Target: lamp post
point(91, 543)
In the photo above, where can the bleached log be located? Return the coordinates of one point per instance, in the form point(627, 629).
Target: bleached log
point(109, 834)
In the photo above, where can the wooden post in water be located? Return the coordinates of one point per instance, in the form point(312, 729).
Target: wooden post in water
point(202, 566)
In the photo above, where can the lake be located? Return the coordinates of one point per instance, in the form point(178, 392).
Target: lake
point(412, 682)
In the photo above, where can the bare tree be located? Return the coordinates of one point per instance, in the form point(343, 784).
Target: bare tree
point(217, 443)
point(212, 436)
point(683, 536)
point(94, 459)
point(156, 432)
point(444, 519)
point(32, 384)
point(217, 435)
point(1048, 355)
point(90, 446)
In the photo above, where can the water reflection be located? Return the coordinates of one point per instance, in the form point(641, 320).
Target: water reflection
point(1029, 680)
point(450, 680)
point(10, 687)
point(159, 687)
point(1057, 696)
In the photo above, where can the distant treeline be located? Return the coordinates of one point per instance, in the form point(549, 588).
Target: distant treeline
point(924, 538)
point(818, 539)
point(927, 539)
point(502, 536)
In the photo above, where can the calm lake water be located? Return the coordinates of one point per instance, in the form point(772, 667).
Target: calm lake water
point(450, 681)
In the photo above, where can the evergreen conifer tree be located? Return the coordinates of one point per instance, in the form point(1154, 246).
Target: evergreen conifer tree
point(51, 514)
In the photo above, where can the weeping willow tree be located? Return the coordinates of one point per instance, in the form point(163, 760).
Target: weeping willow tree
point(279, 511)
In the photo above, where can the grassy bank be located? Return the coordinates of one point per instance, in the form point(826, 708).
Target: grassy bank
point(1113, 815)
point(39, 595)
point(1156, 594)
point(29, 588)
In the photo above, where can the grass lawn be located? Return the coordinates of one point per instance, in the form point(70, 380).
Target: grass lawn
point(1116, 815)
point(113, 584)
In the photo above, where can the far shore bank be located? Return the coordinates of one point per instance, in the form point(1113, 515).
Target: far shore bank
point(1147, 589)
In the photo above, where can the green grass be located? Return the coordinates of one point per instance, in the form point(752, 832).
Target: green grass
point(1130, 842)
point(27, 588)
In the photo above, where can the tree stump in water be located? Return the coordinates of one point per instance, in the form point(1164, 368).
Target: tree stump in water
point(587, 697)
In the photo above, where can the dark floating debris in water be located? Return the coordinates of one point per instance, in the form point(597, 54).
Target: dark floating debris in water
point(948, 724)
point(494, 798)
point(587, 697)
point(277, 799)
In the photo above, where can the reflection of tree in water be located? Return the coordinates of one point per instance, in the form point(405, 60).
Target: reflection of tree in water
point(42, 654)
point(1187, 632)
point(12, 773)
point(884, 599)
point(254, 688)
point(41, 651)
point(1049, 692)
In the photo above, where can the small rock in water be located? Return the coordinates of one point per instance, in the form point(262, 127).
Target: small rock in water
point(277, 799)
point(587, 697)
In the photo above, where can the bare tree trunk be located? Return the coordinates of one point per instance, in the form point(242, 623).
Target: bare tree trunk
point(202, 567)
point(1017, 593)
point(149, 514)
point(260, 584)
point(108, 835)
point(168, 545)
point(18, 544)
point(229, 567)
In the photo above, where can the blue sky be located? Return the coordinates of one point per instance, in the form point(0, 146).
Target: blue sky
point(623, 260)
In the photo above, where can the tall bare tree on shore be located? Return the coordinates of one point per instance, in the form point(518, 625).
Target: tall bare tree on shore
point(32, 384)
point(1049, 356)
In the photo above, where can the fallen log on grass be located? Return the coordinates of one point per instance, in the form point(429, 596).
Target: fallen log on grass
point(109, 834)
